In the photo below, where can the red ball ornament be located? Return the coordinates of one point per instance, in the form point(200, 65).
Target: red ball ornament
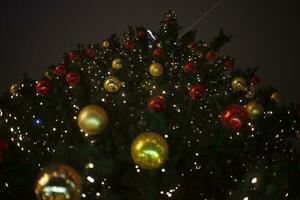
point(156, 103)
point(44, 86)
point(128, 44)
point(74, 55)
point(234, 117)
point(229, 63)
point(189, 67)
point(255, 80)
point(197, 91)
point(193, 45)
point(72, 77)
point(141, 34)
point(60, 69)
point(158, 52)
point(90, 52)
point(3, 147)
point(210, 55)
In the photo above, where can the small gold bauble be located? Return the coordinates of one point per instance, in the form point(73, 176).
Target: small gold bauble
point(156, 69)
point(112, 84)
point(117, 63)
point(298, 134)
point(275, 96)
point(254, 109)
point(250, 92)
point(159, 45)
point(92, 119)
point(14, 89)
point(149, 150)
point(239, 84)
point(58, 182)
point(105, 43)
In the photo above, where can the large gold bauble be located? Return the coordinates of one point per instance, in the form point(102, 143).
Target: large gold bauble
point(149, 150)
point(14, 89)
point(112, 84)
point(239, 84)
point(117, 63)
point(105, 43)
point(92, 119)
point(58, 182)
point(156, 69)
point(254, 109)
point(275, 96)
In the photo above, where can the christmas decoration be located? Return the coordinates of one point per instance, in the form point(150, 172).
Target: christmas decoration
point(254, 109)
point(197, 91)
point(239, 84)
point(44, 86)
point(210, 55)
point(255, 80)
point(92, 119)
point(234, 117)
point(58, 182)
point(156, 69)
point(105, 44)
point(116, 63)
point(14, 89)
point(90, 52)
point(189, 67)
point(275, 96)
point(60, 69)
point(128, 44)
point(229, 63)
point(112, 84)
point(193, 45)
point(72, 78)
point(158, 52)
point(141, 34)
point(156, 103)
point(149, 150)
point(74, 55)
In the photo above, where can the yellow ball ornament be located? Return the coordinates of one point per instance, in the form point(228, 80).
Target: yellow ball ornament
point(14, 89)
point(112, 84)
point(239, 84)
point(156, 69)
point(58, 182)
point(105, 43)
point(117, 63)
point(92, 119)
point(254, 109)
point(275, 96)
point(149, 150)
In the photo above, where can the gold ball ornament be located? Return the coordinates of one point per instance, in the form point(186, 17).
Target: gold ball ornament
point(156, 69)
point(254, 109)
point(105, 44)
point(92, 119)
point(250, 92)
point(149, 150)
point(239, 84)
point(117, 63)
point(58, 182)
point(275, 96)
point(112, 84)
point(14, 89)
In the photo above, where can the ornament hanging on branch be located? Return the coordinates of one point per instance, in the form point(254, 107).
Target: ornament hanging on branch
point(210, 55)
point(156, 103)
point(60, 69)
point(14, 89)
point(128, 44)
point(74, 55)
point(105, 44)
point(234, 117)
point(44, 86)
point(90, 52)
point(229, 63)
point(112, 84)
point(72, 78)
point(116, 63)
point(189, 67)
point(275, 96)
point(157, 52)
point(197, 91)
point(254, 110)
point(239, 84)
point(156, 69)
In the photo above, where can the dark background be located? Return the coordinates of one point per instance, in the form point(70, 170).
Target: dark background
point(36, 33)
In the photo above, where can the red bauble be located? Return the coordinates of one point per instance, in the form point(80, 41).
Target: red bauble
point(210, 55)
point(156, 103)
point(90, 52)
point(158, 52)
point(141, 34)
point(72, 77)
point(189, 67)
point(128, 44)
point(193, 45)
point(255, 80)
point(74, 55)
point(3, 147)
point(60, 69)
point(197, 91)
point(234, 117)
point(44, 86)
point(229, 63)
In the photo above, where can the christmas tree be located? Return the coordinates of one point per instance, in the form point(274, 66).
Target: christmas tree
point(157, 116)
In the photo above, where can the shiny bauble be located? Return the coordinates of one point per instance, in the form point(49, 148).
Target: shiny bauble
point(158, 52)
point(112, 84)
point(156, 69)
point(44, 86)
point(149, 150)
point(193, 45)
point(141, 34)
point(14, 89)
point(156, 103)
point(105, 44)
point(58, 182)
point(275, 96)
point(90, 52)
point(60, 69)
point(250, 92)
point(210, 55)
point(117, 63)
point(234, 117)
point(92, 119)
point(74, 55)
point(72, 78)
point(239, 84)
point(128, 44)
point(189, 67)
point(229, 63)
point(197, 91)
point(254, 109)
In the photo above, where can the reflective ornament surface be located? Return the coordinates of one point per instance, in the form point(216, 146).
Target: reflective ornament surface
point(14, 89)
point(156, 69)
point(112, 84)
point(116, 63)
point(254, 109)
point(239, 84)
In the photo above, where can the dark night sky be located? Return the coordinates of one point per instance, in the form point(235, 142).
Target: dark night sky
point(36, 33)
